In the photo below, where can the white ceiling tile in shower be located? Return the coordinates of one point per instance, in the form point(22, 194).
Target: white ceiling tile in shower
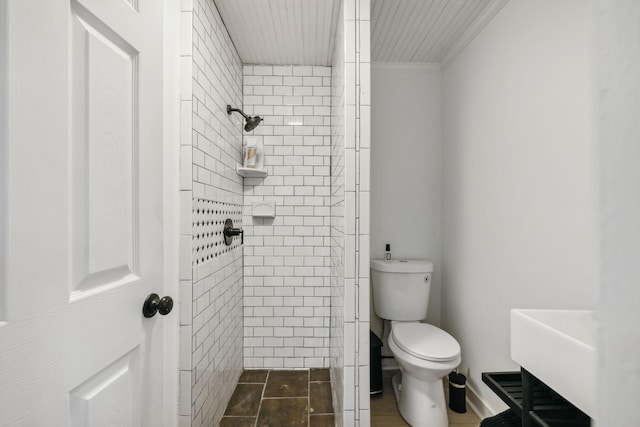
point(281, 32)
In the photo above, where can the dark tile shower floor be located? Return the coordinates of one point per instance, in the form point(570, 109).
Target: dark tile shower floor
point(281, 399)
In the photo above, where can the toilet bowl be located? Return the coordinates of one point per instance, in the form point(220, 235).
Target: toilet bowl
point(424, 353)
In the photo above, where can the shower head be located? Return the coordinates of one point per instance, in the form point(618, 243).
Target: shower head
point(252, 121)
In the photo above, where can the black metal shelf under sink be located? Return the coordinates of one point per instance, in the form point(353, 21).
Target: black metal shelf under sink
point(542, 406)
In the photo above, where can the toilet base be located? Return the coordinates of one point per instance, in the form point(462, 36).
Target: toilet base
point(421, 403)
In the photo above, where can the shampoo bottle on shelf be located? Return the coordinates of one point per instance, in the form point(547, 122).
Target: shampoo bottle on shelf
point(387, 252)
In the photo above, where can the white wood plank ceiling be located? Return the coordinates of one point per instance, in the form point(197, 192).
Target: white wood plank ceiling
point(426, 30)
point(282, 32)
point(302, 32)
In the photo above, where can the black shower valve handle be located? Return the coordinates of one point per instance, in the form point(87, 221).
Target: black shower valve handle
point(230, 231)
point(235, 232)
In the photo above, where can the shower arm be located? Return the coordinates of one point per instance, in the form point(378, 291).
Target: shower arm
point(230, 110)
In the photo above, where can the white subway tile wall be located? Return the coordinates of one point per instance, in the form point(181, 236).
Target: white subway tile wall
point(208, 219)
point(287, 258)
point(350, 217)
point(307, 270)
point(211, 274)
point(337, 201)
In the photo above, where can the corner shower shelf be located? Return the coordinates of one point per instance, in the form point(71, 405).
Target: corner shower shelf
point(250, 172)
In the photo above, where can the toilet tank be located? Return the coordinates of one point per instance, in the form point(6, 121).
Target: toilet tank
point(401, 288)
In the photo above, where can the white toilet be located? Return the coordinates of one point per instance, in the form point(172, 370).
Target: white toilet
point(424, 352)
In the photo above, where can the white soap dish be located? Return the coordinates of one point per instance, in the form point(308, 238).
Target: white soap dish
point(265, 209)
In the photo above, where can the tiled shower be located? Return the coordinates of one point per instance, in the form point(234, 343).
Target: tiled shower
point(290, 296)
point(286, 258)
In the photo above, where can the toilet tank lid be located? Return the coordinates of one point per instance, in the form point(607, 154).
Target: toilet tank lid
point(402, 266)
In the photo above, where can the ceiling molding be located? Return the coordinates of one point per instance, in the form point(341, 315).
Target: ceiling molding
point(408, 66)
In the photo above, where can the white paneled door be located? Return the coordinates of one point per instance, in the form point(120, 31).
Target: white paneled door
point(81, 202)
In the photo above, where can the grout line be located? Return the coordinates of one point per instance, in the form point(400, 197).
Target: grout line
point(264, 387)
point(309, 398)
point(238, 416)
point(284, 397)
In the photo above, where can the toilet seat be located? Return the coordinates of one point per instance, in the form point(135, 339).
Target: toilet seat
point(425, 341)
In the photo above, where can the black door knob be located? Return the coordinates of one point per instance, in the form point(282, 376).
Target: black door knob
point(153, 304)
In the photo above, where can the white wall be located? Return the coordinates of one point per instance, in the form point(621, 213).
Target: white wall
point(337, 281)
point(350, 195)
point(406, 158)
point(286, 258)
point(210, 190)
point(619, 154)
point(3, 148)
point(519, 220)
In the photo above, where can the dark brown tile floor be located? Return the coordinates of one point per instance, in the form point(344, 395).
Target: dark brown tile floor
point(281, 399)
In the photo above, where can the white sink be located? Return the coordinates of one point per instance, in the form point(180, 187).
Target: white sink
point(559, 348)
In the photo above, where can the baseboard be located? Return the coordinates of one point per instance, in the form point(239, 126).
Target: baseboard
point(390, 364)
point(477, 404)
